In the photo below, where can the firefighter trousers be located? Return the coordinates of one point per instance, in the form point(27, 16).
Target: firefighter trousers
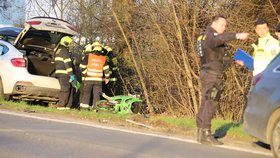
point(66, 92)
point(208, 106)
point(91, 90)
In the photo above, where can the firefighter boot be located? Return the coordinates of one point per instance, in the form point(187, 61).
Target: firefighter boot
point(199, 135)
point(208, 139)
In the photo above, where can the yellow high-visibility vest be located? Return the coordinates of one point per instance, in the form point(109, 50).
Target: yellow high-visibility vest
point(264, 51)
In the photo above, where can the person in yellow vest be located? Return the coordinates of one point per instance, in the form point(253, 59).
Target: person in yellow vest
point(92, 66)
point(64, 73)
point(266, 47)
point(277, 31)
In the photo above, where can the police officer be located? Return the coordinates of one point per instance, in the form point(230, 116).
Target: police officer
point(64, 73)
point(266, 47)
point(213, 64)
point(92, 66)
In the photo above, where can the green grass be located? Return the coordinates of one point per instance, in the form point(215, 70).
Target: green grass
point(182, 125)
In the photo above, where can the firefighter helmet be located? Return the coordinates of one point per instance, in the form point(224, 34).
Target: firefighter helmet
point(108, 48)
point(88, 48)
point(66, 41)
point(97, 48)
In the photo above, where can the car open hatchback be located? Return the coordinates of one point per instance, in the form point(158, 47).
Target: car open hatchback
point(27, 59)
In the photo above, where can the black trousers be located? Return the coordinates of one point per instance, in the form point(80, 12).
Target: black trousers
point(91, 90)
point(208, 107)
point(66, 92)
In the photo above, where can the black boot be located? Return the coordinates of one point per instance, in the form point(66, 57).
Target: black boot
point(208, 139)
point(199, 135)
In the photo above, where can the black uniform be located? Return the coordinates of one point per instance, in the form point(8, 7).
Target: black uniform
point(214, 60)
point(113, 64)
point(63, 66)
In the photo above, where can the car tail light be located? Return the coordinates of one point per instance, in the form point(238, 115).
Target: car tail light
point(71, 27)
point(34, 22)
point(256, 79)
point(18, 62)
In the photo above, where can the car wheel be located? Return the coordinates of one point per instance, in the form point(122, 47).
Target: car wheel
point(275, 138)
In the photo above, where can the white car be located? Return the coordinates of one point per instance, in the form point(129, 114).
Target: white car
point(27, 59)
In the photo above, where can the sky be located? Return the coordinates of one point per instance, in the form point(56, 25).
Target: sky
point(15, 14)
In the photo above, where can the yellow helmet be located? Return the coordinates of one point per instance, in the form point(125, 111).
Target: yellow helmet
point(97, 44)
point(66, 41)
point(88, 48)
point(108, 48)
point(97, 48)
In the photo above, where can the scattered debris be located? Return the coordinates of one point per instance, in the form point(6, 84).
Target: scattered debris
point(103, 121)
point(140, 124)
point(29, 111)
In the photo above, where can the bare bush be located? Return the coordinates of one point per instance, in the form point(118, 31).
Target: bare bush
point(157, 42)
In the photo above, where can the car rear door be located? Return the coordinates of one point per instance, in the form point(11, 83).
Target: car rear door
point(43, 33)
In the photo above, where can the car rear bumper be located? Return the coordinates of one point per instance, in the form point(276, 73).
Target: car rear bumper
point(30, 92)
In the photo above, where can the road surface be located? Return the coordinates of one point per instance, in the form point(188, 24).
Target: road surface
point(30, 136)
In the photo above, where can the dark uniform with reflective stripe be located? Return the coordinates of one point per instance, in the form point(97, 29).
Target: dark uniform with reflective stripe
point(91, 85)
point(63, 66)
point(213, 64)
point(113, 64)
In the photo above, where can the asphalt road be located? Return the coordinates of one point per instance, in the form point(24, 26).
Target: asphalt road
point(25, 137)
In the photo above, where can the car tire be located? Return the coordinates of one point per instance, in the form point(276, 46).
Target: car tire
point(275, 138)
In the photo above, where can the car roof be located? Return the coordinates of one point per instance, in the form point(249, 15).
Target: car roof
point(10, 31)
point(52, 24)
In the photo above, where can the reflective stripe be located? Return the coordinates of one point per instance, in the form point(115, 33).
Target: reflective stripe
point(67, 60)
point(59, 59)
point(82, 66)
point(107, 75)
point(201, 37)
point(85, 71)
point(92, 79)
point(95, 70)
point(94, 74)
point(113, 79)
point(84, 105)
point(61, 72)
point(69, 70)
point(106, 67)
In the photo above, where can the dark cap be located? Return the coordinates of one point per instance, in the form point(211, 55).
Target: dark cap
point(261, 21)
point(277, 27)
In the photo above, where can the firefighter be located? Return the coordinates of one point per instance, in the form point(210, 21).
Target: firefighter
point(92, 66)
point(213, 62)
point(113, 64)
point(64, 73)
